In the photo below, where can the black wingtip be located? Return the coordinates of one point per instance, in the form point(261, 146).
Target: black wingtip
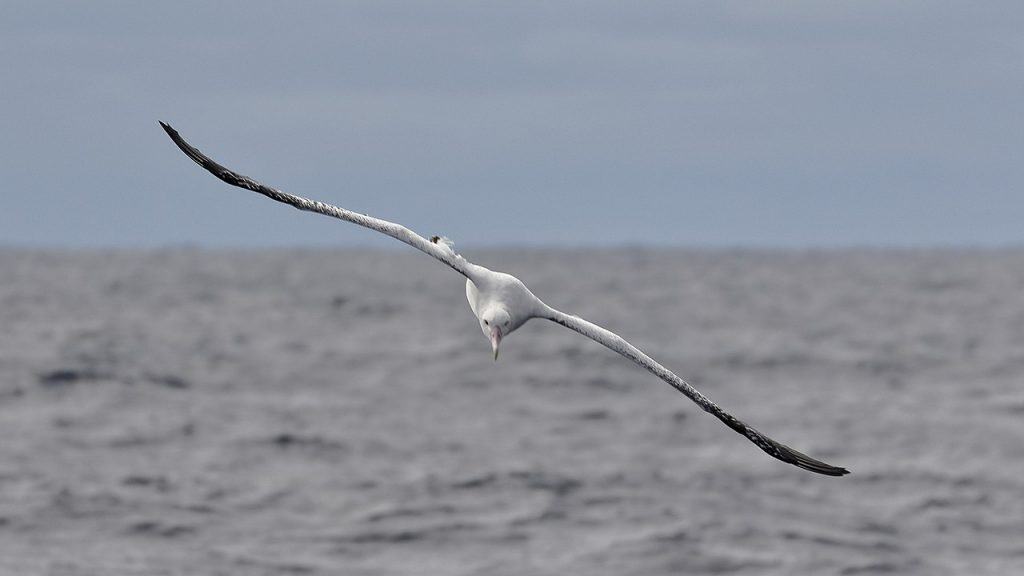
point(171, 132)
point(192, 152)
point(807, 463)
point(779, 450)
point(794, 457)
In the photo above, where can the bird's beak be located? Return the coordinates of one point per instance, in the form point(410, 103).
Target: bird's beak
point(495, 340)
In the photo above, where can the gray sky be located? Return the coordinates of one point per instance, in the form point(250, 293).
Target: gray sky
point(717, 123)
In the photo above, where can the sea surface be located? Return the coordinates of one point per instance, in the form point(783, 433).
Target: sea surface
point(191, 412)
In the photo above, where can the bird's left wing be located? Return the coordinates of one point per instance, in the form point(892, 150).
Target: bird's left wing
point(434, 247)
point(618, 344)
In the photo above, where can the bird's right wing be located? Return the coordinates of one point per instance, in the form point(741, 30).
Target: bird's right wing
point(618, 344)
point(434, 247)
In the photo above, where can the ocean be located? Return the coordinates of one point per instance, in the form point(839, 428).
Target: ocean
point(315, 411)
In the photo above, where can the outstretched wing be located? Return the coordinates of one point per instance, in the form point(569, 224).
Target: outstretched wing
point(618, 344)
point(440, 250)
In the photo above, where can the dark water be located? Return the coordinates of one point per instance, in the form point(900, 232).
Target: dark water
point(322, 412)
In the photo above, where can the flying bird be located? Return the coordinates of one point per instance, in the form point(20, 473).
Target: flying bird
point(502, 303)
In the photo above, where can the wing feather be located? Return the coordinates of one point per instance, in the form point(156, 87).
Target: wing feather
point(615, 342)
point(439, 250)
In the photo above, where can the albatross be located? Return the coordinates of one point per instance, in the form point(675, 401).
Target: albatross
point(502, 303)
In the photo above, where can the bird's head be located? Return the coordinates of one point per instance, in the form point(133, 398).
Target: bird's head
point(496, 323)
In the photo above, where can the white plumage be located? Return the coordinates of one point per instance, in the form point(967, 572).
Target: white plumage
point(502, 303)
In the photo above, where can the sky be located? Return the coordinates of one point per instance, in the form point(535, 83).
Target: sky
point(760, 124)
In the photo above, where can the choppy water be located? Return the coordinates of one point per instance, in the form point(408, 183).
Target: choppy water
point(338, 412)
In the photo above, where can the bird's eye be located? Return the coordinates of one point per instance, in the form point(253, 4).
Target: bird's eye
point(506, 322)
point(486, 323)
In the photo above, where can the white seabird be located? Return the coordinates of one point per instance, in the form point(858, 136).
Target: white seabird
point(502, 303)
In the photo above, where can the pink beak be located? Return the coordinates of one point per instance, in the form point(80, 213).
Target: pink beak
point(495, 340)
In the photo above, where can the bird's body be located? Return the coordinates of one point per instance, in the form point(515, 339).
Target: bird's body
point(489, 288)
point(502, 303)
